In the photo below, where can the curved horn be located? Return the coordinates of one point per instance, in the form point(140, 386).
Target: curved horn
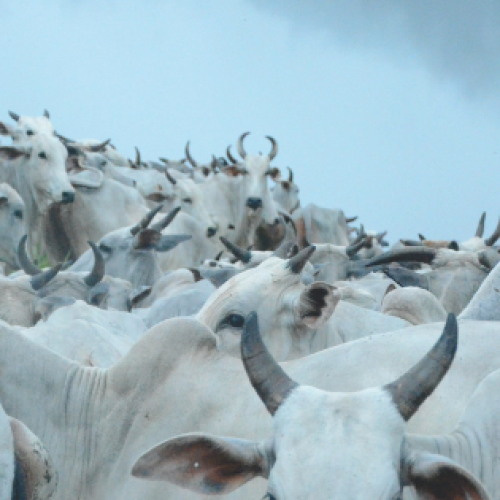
point(290, 174)
point(99, 147)
point(63, 139)
point(161, 225)
point(494, 237)
point(97, 273)
point(24, 261)
point(137, 156)
point(268, 379)
point(411, 254)
point(274, 151)
point(230, 156)
point(411, 389)
point(480, 226)
point(14, 116)
point(354, 248)
point(239, 253)
point(298, 262)
point(46, 114)
point(40, 280)
point(189, 157)
point(169, 177)
point(146, 220)
point(241, 149)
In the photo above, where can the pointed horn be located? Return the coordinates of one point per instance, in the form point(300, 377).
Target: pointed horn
point(283, 251)
point(146, 220)
point(161, 225)
point(421, 237)
point(290, 174)
point(241, 149)
point(268, 379)
point(351, 219)
point(99, 147)
point(274, 151)
point(381, 236)
point(219, 255)
point(14, 116)
point(46, 114)
point(230, 156)
point(239, 253)
point(24, 261)
point(169, 177)
point(297, 263)
point(188, 155)
point(40, 280)
point(494, 237)
point(137, 156)
point(411, 389)
point(98, 271)
point(354, 248)
point(63, 139)
point(412, 254)
point(480, 226)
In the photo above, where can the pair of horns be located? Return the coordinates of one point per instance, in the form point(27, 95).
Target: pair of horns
point(243, 154)
point(159, 226)
point(408, 392)
point(41, 278)
point(16, 117)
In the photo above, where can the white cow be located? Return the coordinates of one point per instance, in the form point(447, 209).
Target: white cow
point(12, 225)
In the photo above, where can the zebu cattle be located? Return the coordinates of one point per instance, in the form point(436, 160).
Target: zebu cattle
point(363, 432)
point(126, 410)
point(26, 469)
point(286, 193)
point(455, 276)
point(27, 126)
point(12, 225)
point(297, 319)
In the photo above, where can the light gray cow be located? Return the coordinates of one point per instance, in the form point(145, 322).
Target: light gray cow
point(286, 193)
point(12, 225)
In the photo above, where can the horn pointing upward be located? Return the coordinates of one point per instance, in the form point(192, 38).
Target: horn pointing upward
point(480, 226)
point(24, 261)
point(239, 253)
point(268, 379)
point(241, 149)
point(97, 273)
point(274, 151)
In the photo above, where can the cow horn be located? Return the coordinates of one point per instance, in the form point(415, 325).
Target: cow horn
point(381, 236)
point(214, 164)
point(169, 177)
point(290, 174)
point(99, 147)
point(189, 157)
point(239, 253)
point(274, 151)
point(411, 389)
point(421, 237)
point(40, 280)
point(64, 139)
point(14, 116)
point(268, 379)
point(137, 156)
point(97, 273)
point(412, 254)
point(351, 219)
point(230, 156)
point(494, 237)
point(161, 225)
point(298, 262)
point(354, 248)
point(146, 220)
point(480, 226)
point(24, 261)
point(219, 255)
point(46, 114)
point(283, 251)
point(241, 149)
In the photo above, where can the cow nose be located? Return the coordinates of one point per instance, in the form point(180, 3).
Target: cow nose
point(68, 197)
point(211, 232)
point(254, 203)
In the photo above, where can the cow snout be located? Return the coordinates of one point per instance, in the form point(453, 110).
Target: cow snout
point(211, 232)
point(254, 203)
point(68, 197)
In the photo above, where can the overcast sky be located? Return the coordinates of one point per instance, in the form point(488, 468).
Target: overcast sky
point(388, 110)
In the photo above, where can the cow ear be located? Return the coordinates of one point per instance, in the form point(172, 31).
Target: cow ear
point(317, 303)
point(36, 463)
point(5, 129)
point(11, 153)
point(435, 477)
point(169, 241)
point(203, 463)
point(275, 174)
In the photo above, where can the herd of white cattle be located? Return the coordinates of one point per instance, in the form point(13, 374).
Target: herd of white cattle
point(176, 329)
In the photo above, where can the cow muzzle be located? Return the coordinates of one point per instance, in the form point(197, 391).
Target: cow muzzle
point(68, 197)
point(254, 203)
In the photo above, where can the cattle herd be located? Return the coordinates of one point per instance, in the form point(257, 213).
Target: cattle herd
point(177, 329)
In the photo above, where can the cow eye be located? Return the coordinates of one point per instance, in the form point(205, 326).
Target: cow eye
point(103, 247)
point(18, 214)
point(42, 155)
point(269, 496)
point(30, 132)
point(187, 200)
point(235, 320)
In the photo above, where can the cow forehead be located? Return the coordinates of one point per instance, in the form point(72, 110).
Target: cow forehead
point(337, 445)
point(40, 124)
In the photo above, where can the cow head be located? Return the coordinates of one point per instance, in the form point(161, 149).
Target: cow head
point(12, 224)
point(324, 445)
point(27, 127)
point(286, 192)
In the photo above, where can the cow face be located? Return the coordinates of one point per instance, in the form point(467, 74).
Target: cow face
point(286, 193)
point(27, 127)
point(12, 224)
point(288, 308)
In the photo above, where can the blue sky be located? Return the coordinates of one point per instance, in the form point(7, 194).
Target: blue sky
point(390, 112)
